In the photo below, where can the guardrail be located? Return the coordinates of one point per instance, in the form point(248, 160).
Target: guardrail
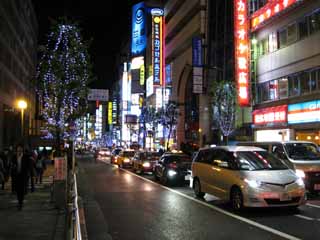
point(74, 229)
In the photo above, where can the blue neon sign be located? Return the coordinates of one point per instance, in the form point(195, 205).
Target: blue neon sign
point(139, 31)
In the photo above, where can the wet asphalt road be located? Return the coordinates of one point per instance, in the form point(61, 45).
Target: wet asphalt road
point(135, 207)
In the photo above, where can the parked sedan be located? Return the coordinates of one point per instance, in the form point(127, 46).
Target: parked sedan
point(247, 177)
point(173, 168)
point(144, 161)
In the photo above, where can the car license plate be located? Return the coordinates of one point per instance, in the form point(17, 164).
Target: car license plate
point(316, 187)
point(187, 178)
point(285, 197)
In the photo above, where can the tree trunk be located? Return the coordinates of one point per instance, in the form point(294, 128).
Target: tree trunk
point(169, 135)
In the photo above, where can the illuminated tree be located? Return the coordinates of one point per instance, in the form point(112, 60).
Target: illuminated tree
point(62, 77)
point(224, 107)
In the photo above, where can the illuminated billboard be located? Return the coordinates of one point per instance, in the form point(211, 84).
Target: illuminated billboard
point(139, 32)
point(270, 116)
point(157, 46)
point(242, 63)
point(305, 112)
point(272, 8)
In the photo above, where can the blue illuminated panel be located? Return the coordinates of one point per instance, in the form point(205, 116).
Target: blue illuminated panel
point(139, 32)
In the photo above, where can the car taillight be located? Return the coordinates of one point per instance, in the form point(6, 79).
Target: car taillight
point(173, 165)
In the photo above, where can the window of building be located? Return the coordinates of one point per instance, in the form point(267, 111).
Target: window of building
point(263, 91)
point(292, 33)
point(273, 90)
point(283, 87)
point(263, 47)
point(293, 85)
point(318, 78)
point(282, 38)
point(313, 81)
point(315, 22)
point(303, 28)
point(273, 42)
point(304, 82)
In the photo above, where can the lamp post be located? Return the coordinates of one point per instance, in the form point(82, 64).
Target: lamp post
point(22, 105)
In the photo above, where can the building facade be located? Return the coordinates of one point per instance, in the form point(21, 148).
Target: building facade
point(18, 48)
point(285, 49)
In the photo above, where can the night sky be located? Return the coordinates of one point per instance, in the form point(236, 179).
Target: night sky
point(107, 23)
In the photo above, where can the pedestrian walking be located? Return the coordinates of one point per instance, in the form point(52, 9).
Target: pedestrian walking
point(40, 167)
point(21, 161)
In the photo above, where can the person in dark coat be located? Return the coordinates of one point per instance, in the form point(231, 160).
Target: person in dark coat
point(21, 161)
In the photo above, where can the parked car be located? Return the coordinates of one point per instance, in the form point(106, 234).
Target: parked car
point(144, 161)
point(302, 156)
point(125, 158)
point(115, 152)
point(173, 168)
point(247, 177)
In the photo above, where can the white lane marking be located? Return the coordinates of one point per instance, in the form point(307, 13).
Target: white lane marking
point(304, 217)
point(312, 205)
point(248, 221)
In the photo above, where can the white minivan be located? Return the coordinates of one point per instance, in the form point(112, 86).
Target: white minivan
point(247, 177)
point(303, 156)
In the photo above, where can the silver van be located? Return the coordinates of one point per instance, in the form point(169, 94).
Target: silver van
point(247, 177)
point(303, 156)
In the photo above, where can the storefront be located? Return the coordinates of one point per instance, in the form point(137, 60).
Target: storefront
point(305, 119)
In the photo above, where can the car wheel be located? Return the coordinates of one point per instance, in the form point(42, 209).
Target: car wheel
point(236, 199)
point(164, 179)
point(197, 188)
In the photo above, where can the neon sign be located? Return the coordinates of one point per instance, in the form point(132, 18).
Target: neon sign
point(304, 112)
point(242, 63)
point(157, 49)
point(272, 8)
point(139, 33)
point(270, 115)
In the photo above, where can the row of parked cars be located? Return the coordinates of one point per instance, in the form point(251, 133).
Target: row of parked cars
point(252, 174)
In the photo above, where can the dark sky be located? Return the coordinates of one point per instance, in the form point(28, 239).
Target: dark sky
point(106, 22)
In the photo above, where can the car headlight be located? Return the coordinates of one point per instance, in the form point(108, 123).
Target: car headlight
point(146, 164)
point(171, 173)
point(253, 183)
point(300, 173)
point(126, 160)
point(300, 182)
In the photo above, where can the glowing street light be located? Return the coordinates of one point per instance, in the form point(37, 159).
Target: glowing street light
point(22, 105)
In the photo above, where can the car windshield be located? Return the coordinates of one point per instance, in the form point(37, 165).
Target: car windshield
point(128, 153)
point(179, 158)
point(258, 160)
point(302, 151)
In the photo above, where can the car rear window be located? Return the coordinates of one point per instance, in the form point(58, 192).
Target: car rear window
point(128, 154)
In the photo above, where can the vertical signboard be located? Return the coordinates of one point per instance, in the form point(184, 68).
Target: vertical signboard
point(197, 65)
point(157, 45)
point(242, 64)
point(110, 113)
point(139, 34)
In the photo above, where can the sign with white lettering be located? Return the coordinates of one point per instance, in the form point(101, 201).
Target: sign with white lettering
point(270, 116)
point(305, 112)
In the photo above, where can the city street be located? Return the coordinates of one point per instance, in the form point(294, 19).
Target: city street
point(136, 207)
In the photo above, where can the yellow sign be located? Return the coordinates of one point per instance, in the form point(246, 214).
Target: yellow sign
point(142, 73)
point(109, 113)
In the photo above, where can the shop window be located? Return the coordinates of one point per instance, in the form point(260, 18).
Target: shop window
point(273, 90)
point(292, 33)
point(282, 38)
point(304, 82)
point(313, 81)
point(293, 85)
point(303, 28)
point(264, 91)
point(283, 88)
point(315, 22)
point(273, 42)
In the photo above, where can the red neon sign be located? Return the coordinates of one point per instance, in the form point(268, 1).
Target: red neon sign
point(242, 64)
point(272, 8)
point(270, 115)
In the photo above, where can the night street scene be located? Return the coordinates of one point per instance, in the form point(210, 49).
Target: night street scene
point(160, 120)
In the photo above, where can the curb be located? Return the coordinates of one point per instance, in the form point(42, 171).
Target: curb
point(83, 226)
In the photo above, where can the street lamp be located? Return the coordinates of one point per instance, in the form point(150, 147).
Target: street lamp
point(22, 105)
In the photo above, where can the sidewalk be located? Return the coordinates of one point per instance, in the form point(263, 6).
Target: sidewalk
point(39, 219)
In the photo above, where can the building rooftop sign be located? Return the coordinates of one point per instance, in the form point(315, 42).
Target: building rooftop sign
point(272, 8)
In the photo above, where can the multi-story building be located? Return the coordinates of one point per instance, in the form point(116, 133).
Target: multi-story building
point(18, 46)
point(285, 37)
